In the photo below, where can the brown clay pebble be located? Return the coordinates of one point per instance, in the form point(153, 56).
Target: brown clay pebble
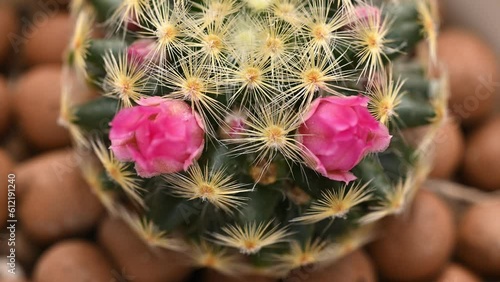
point(354, 267)
point(479, 238)
point(473, 72)
point(49, 40)
point(214, 276)
point(135, 259)
point(482, 156)
point(19, 274)
point(449, 146)
point(53, 5)
point(27, 252)
point(6, 167)
point(13, 278)
point(17, 146)
point(457, 273)
point(4, 105)
point(415, 246)
point(8, 27)
point(37, 100)
point(56, 201)
point(75, 261)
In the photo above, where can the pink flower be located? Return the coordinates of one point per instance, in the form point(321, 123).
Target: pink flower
point(366, 12)
point(142, 51)
point(338, 132)
point(234, 124)
point(159, 135)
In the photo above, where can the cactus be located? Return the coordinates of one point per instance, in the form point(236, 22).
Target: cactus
point(256, 136)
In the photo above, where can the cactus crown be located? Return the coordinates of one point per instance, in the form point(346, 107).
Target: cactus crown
point(251, 72)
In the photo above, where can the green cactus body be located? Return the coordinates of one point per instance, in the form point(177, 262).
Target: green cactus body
point(252, 201)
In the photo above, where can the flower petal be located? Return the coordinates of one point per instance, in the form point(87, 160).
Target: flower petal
point(341, 175)
point(380, 139)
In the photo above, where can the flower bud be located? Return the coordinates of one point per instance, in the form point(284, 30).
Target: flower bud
point(338, 132)
point(367, 12)
point(159, 135)
point(234, 124)
point(142, 51)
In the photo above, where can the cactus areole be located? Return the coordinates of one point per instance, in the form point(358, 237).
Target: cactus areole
point(255, 136)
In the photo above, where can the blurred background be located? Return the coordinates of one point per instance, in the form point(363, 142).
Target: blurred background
point(451, 233)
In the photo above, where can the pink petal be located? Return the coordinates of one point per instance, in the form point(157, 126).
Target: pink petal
point(348, 100)
point(339, 175)
point(312, 109)
point(171, 129)
point(335, 118)
point(193, 157)
point(165, 149)
point(380, 139)
point(313, 162)
point(144, 171)
point(166, 165)
point(122, 153)
point(142, 167)
point(367, 13)
point(345, 157)
point(140, 51)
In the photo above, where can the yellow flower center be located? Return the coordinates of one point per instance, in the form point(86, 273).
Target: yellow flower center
point(251, 246)
point(313, 76)
point(167, 33)
point(213, 43)
point(206, 190)
point(125, 86)
point(274, 45)
point(373, 41)
point(193, 88)
point(252, 76)
point(275, 135)
point(320, 32)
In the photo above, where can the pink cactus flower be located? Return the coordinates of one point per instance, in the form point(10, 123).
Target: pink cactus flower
point(234, 124)
point(159, 135)
point(364, 14)
point(142, 51)
point(338, 132)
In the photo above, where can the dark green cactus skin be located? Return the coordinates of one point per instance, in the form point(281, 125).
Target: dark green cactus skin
point(196, 218)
